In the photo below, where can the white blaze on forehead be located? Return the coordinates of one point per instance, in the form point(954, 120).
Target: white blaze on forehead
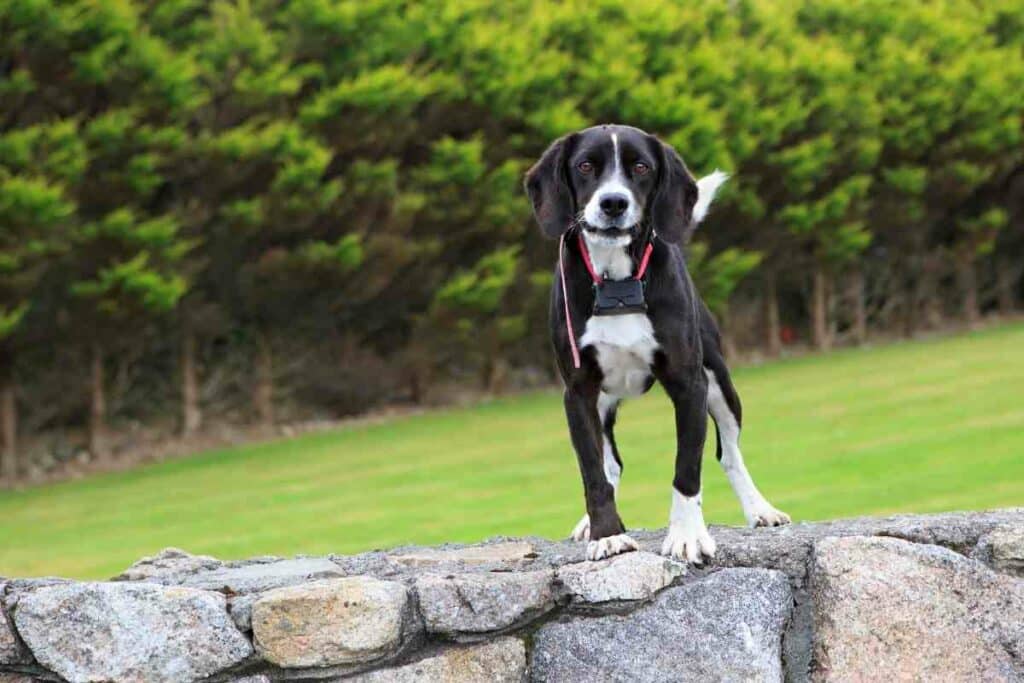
point(615, 151)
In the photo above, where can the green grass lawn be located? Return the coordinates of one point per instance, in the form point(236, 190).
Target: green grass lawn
point(915, 427)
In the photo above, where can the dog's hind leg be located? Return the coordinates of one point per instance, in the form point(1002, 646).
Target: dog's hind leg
point(607, 407)
point(725, 409)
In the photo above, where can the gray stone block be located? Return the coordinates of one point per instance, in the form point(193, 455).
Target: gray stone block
point(727, 626)
point(129, 632)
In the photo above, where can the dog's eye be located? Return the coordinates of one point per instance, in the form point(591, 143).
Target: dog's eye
point(640, 168)
point(585, 167)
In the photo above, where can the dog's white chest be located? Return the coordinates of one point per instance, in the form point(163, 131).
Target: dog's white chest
point(625, 347)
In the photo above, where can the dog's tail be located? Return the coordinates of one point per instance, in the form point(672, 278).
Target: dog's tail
point(707, 187)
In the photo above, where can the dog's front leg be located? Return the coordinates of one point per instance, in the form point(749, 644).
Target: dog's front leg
point(607, 533)
point(688, 537)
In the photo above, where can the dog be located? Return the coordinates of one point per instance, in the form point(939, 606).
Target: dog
point(624, 313)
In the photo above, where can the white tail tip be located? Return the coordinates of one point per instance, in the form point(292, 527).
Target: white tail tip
point(706, 189)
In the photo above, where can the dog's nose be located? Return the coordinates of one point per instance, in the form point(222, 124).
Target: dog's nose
point(614, 205)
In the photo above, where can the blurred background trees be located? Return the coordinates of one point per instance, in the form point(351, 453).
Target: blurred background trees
point(265, 211)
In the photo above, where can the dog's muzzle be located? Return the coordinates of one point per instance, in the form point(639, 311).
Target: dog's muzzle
point(611, 231)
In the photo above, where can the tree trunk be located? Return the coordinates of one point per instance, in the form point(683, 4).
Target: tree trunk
point(913, 273)
point(98, 408)
point(191, 415)
point(497, 375)
point(728, 340)
point(909, 310)
point(968, 288)
point(486, 371)
point(8, 425)
point(264, 381)
point(415, 387)
point(494, 369)
point(819, 310)
point(416, 362)
point(729, 349)
point(1007, 284)
point(859, 306)
point(772, 328)
point(830, 313)
point(929, 295)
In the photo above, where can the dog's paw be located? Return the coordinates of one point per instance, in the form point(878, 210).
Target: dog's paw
point(610, 545)
point(688, 538)
point(689, 542)
point(581, 532)
point(766, 515)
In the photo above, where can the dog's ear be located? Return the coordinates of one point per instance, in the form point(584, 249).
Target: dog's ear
point(547, 184)
point(672, 204)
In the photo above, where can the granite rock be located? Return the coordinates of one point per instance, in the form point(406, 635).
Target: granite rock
point(630, 576)
point(727, 626)
point(1007, 544)
point(129, 632)
point(10, 649)
point(263, 576)
point(506, 552)
point(330, 622)
point(887, 609)
point(168, 562)
point(473, 603)
point(502, 660)
point(240, 609)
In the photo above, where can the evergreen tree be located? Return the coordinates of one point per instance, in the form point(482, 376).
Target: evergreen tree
point(34, 212)
point(288, 177)
point(121, 272)
point(41, 158)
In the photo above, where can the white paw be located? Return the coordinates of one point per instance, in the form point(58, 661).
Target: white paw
point(610, 545)
point(581, 532)
point(688, 542)
point(765, 515)
point(688, 538)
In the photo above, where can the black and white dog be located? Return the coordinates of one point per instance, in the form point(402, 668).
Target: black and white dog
point(622, 202)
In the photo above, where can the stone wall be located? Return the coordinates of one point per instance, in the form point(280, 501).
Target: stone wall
point(936, 597)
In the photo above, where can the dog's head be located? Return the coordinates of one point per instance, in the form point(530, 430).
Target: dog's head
point(609, 180)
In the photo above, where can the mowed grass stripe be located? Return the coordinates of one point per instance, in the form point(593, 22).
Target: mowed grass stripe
point(923, 426)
